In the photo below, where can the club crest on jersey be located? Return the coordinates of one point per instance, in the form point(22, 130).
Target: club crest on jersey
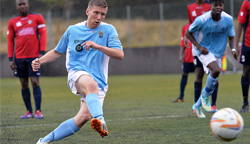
point(18, 24)
point(101, 34)
point(203, 12)
point(194, 13)
point(79, 48)
point(29, 21)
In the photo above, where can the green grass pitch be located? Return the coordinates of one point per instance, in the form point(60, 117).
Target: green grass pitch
point(138, 109)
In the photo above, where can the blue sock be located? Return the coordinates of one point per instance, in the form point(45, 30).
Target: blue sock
point(183, 85)
point(245, 88)
point(26, 99)
point(64, 130)
point(94, 105)
point(198, 103)
point(208, 89)
point(37, 97)
point(197, 90)
point(214, 95)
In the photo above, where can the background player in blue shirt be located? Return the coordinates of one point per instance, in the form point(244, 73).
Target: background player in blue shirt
point(88, 46)
point(210, 40)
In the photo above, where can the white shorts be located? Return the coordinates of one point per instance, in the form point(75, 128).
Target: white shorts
point(207, 59)
point(72, 78)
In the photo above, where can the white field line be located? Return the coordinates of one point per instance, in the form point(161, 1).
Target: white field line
point(128, 119)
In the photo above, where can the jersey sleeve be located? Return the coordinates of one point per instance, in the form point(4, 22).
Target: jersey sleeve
point(63, 43)
point(231, 32)
point(113, 39)
point(42, 32)
point(242, 17)
point(189, 14)
point(195, 26)
point(10, 40)
point(182, 36)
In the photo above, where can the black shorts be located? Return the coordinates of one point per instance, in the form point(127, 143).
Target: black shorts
point(197, 62)
point(188, 67)
point(245, 55)
point(24, 68)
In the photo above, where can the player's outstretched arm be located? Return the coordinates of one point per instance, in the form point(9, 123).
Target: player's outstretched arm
point(50, 56)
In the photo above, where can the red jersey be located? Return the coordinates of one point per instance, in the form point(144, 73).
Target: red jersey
point(244, 18)
point(188, 51)
point(23, 32)
point(195, 10)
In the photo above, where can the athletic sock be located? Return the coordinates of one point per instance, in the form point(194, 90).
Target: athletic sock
point(214, 94)
point(208, 89)
point(94, 105)
point(198, 103)
point(197, 90)
point(245, 88)
point(183, 85)
point(64, 130)
point(37, 97)
point(26, 99)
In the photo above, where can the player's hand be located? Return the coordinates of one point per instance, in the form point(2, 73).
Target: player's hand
point(203, 50)
point(13, 65)
point(36, 64)
point(235, 52)
point(181, 59)
point(89, 44)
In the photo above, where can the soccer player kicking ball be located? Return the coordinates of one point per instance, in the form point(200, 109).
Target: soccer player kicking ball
point(210, 40)
point(88, 46)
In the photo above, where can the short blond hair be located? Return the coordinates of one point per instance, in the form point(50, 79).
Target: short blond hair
point(100, 3)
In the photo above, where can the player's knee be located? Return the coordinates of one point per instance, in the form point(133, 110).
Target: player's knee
point(215, 73)
point(35, 84)
point(199, 76)
point(25, 85)
point(92, 87)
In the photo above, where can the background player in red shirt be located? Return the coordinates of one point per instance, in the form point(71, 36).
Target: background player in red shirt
point(23, 31)
point(194, 10)
point(244, 22)
point(186, 58)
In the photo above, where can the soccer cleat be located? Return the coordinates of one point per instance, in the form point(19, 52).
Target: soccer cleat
point(27, 115)
point(178, 100)
point(198, 112)
point(245, 108)
point(100, 126)
point(39, 115)
point(214, 108)
point(206, 104)
point(39, 142)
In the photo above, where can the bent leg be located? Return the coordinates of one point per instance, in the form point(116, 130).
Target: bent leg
point(86, 85)
point(70, 126)
point(211, 81)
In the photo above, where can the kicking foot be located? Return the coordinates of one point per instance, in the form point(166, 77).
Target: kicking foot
point(100, 126)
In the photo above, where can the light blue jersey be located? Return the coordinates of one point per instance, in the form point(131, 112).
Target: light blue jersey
point(93, 61)
point(213, 34)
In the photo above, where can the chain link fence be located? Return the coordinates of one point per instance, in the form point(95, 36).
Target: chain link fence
point(160, 16)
